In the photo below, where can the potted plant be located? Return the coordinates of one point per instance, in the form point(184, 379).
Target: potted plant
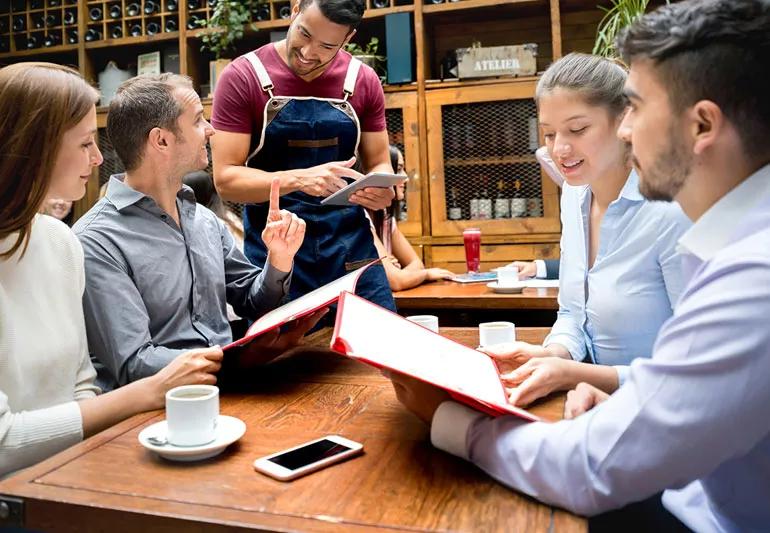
point(368, 54)
point(620, 14)
point(227, 24)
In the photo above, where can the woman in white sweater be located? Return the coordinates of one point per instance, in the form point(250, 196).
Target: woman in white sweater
point(48, 400)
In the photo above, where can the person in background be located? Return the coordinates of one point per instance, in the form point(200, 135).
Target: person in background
point(692, 420)
point(202, 185)
point(324, 112)
point(618, 258)
point(159, 267)
point(59, 208)
point(403, 267)
point(48, 399)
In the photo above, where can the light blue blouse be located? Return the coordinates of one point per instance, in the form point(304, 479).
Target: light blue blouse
point(610, 314)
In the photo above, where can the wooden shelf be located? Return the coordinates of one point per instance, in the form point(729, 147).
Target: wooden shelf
point(477, 161)
point(454, 83)
point(61, 49)
point(140, 39)
point(382, 11)
point(471, 4)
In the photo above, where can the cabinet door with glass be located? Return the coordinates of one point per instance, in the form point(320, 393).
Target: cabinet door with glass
point(481, 160)
point(401, 119)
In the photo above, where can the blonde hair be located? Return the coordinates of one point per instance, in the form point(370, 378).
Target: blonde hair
point(39, 103)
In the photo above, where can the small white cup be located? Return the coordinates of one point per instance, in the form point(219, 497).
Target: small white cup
point(507, 276)
point(496, 332)
point(426, 321)
point(191, 414)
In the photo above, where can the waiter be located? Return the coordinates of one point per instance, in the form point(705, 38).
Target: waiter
point(303, 110)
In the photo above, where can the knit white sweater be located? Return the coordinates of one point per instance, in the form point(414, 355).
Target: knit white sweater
point(44, 362)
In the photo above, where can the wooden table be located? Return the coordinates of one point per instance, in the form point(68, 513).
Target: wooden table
point(453, 295)
point(109, 482)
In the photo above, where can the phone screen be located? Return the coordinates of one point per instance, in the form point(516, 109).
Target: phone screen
point(309, 454)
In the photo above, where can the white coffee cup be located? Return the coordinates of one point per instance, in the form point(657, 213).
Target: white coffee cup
point(507, 276)
point(496, 332)
point(191, 414)
point(426, 321)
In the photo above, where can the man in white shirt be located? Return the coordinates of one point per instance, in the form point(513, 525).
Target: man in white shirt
point(692, 420)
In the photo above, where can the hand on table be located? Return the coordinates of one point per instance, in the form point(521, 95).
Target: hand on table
point(584, 398)
point(527, 269)
point(283, 233)
point(433, 274)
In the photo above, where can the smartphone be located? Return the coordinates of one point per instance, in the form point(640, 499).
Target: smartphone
point(308, 457)
point(548, 165)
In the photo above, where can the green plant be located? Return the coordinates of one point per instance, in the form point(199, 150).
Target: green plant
point(620, 14)
point(226, 25)
point(369, 50)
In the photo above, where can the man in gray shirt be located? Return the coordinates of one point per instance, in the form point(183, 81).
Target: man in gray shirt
point(159, 267)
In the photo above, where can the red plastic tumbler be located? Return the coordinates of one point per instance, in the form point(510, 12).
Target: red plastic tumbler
point(472, 241)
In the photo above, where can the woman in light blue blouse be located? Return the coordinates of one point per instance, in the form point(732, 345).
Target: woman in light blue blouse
point(619, 271)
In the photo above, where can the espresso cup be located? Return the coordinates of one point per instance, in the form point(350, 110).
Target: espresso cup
point(191, 414)
point(426, 321)
point(496, 333)
point(507, 276)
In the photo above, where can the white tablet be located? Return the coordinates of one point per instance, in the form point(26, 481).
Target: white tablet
point(376, 179)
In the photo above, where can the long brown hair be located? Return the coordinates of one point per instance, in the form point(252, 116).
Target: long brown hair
point(39, 102)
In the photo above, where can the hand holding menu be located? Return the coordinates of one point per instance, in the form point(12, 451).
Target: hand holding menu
point(302, 306)
point(375, 336)
point(376, 179)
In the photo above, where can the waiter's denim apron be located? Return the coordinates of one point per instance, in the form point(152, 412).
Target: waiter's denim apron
point(302, 132)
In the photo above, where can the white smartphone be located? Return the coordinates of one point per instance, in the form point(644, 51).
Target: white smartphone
point(308, 457)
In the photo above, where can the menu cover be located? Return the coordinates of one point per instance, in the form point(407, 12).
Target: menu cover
point(302, 306)
point(475, 277)
point(378, 337)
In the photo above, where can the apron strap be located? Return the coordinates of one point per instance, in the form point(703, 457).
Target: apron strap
point(350, 79)
point(262, 75)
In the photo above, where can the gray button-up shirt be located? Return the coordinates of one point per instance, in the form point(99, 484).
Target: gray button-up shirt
point(155, 290)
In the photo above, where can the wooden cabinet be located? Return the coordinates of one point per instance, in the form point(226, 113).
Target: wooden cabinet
point(481, 163)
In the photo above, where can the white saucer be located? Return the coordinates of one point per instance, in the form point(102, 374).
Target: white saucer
point(229, 430)
point(513, 289)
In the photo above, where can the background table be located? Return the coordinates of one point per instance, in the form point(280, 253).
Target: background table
point(109, 482)
point(467, 304)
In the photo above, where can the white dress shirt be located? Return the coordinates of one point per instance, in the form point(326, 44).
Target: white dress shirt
point(692, 420)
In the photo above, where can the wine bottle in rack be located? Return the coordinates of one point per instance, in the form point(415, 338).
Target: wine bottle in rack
point(135, 30)
point(379, 4)
point(212, 3)
point(152, 28)
point(95, 13)
point(33, 41)
point(53, 18)
point(72, 36)
point(19, 24)
point(261, 12)
point(70, 17)
point(172, 6)
point(54, 3)
point(52, 39)
point(518, 202)
point(502, 202)
point(150, 7)
point(133, 9)
point(5, 45)
point(3, 25)
point(18, 5)
point(285, 12)
point(485, 202)
point(38, 21)
point(193, 21)
point(93, 34)
point(34, 4)
point(171, 25)
point(435, 2)
point(116, 31)
point(193, 5)
point(455, 211)
point(115, 11)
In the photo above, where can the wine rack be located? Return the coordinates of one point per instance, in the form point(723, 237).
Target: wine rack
point(33, 24)
point(127, 19)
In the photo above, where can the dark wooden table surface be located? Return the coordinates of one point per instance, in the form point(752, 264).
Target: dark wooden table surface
point(453, 295)
point(110, 482)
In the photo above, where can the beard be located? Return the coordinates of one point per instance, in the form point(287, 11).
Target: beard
point(667, 175)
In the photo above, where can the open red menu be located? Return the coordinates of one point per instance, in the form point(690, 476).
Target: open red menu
point(378, 337)
point(302, 306)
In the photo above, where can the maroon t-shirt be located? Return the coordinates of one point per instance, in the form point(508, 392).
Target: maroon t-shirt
point(239, 100)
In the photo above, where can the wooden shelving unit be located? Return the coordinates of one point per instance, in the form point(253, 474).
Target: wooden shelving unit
point(419, 114)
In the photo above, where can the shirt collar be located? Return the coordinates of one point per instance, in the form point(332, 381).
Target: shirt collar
point(630, 190)
point(122, 196)
point(713, 230)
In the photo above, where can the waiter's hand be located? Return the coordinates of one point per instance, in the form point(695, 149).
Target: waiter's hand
point(374, 198)
point(283, 233)
point(324, 180)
